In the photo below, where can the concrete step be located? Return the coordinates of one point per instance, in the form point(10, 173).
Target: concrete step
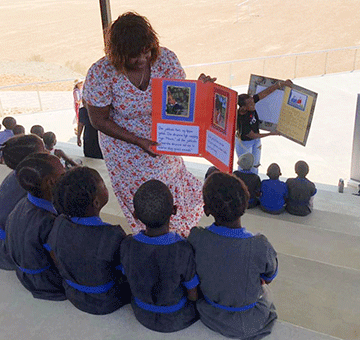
point(23, 317)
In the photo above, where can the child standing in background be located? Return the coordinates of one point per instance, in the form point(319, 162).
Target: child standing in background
point(159, 264)
point(234, 266)
point(301, 191)
point(85, 249)
point(251, 180)
point(29, 225)
point(14, 151)
point(273, 191)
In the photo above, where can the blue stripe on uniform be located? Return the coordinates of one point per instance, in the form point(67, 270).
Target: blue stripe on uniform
point(161, 309)
point(34, 271)
point(229, 309)
point(192, 283)
point(264, 277)
point(91, 289)
point(2, 234)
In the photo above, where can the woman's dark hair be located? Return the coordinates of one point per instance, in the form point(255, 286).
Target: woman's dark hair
point(128, 36)
point(15, 149)
point(153, 204)
point(49, 138)
point(242, 99)
point(226, 196)
point(76, 191)
point(32, 171)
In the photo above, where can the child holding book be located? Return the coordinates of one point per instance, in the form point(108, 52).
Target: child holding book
point(301, 191)
point(29, 225)
point(234, 266)
point(274, 192)
point(159, 264)
point(85, 249)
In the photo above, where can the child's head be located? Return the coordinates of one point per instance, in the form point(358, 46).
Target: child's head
point(246, 161)
point(210, 171)
point(153, 204)
point(273, 171)
point(37, 130)
point(49, 139)
point(18, 130)
point(225, 196)
point(18, 147)
point(9, 123)
point(38, 173)
point(301, 168)
point(246, 103)
point(81, 192)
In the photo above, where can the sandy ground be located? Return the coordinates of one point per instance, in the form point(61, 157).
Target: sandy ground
point(69, 34)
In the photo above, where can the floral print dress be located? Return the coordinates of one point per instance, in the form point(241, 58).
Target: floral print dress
point(128, 165)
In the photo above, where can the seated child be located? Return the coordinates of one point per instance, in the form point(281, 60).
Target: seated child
point(273, 191)
point(37, 130)
point(252, 180)
point(233, 265)
point(9, 123)
point(29, 225)
point(85, 249)
point(14, 150)
point(18, 130)
point(50, 142)
point(301, 191)
point(159, 264)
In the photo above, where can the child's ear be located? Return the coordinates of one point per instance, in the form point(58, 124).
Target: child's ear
point(174, 210)
point(96, 203)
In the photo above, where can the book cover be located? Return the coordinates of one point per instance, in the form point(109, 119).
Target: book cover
point(193, 118)
point(288, 111)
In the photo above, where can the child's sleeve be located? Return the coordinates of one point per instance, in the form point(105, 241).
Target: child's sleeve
point(269, 262)
point(190, 279)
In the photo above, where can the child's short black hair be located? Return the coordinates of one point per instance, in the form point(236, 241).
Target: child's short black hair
point(37, 130)
point(153, 204)
point(9, 122)
point(31, 171)
point(301, 168)
point(242, 99)
point(226, 196)
point(273, 171)
point(49, 138)
point(76, 191)
point(16, 148)
point(18, 130)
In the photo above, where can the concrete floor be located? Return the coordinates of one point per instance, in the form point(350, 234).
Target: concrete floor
point(317, 291)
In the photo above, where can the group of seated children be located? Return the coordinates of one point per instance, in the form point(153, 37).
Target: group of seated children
point(11, 129)
point(61, 249)
point(273, 195)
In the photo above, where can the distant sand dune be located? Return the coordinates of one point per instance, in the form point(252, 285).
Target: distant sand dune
point(199, 31)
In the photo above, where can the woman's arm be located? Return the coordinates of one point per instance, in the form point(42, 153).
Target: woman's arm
point(100, 120)
point(79, 131)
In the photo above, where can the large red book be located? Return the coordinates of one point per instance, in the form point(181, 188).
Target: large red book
point(193, 118)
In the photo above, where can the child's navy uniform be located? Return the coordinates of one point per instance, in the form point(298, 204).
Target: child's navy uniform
point(87, 251)
point(253, 184)
point(300, 192)
point(27, 229)
point(160, 270)
point(273, 195)
point(10, 194)
point(230, 263)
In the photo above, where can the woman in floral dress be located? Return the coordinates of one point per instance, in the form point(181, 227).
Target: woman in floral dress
point(118, 90)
